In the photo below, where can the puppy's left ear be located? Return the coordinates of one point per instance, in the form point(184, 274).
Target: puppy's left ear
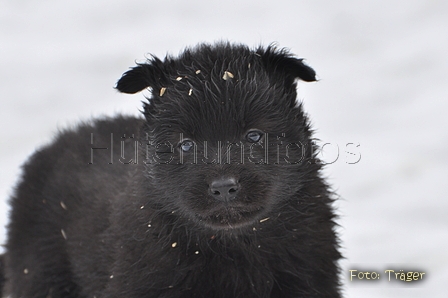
point(281, 62)
point(300, 70)
point(142, 76)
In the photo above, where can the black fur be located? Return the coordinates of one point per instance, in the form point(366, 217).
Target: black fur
point(161, 223)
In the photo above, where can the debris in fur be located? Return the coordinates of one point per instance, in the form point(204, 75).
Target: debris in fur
point(227, 75)
point(198, 71)
point(162, 91)
point(174, 244)
point(26, 271)
point(190, 92)
point(63, 205)
point(178, 78)
point(63, 234)
point(264, 219)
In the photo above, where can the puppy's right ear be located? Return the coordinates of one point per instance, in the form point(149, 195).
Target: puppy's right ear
point(144, 75)
point(135, 79)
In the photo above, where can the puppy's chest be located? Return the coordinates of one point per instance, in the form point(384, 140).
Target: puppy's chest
point(241, 271)
point(217, 258)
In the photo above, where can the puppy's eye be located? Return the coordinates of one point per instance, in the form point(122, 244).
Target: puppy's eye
point(186, 145)
point(254, 136)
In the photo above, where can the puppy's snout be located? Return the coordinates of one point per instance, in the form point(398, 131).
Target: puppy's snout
point(224, 189)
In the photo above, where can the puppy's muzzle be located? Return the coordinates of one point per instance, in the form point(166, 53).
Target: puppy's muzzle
point(224, 189)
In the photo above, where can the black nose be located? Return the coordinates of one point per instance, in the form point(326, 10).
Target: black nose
point(224, 189)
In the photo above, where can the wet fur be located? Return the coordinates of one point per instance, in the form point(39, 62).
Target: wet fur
point(148, 227)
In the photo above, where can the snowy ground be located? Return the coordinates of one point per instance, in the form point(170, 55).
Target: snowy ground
point(383, 66)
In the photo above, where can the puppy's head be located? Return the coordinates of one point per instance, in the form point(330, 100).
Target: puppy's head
point(227, 143)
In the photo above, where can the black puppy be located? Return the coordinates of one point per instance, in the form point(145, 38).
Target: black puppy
point(215, 193)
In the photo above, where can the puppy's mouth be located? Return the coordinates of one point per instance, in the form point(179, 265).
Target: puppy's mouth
point(231, 216)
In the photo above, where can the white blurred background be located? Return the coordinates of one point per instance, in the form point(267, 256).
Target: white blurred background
point(383, 66)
